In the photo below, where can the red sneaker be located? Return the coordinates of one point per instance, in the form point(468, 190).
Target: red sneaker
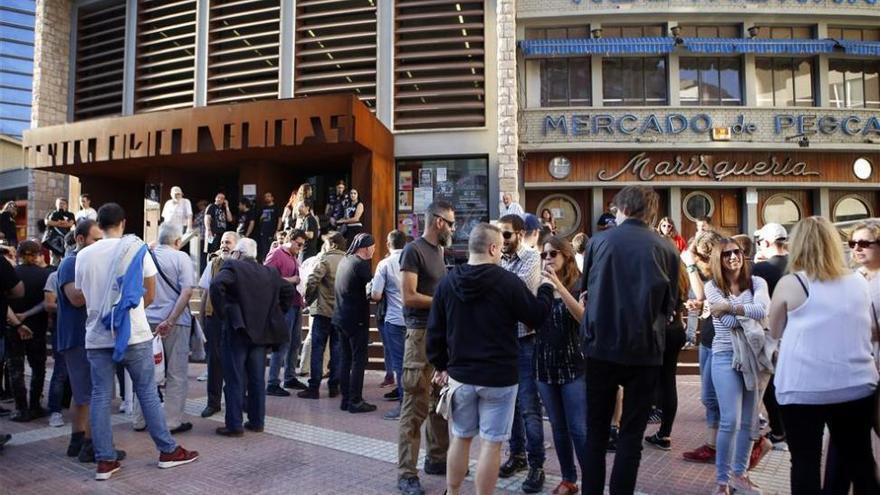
point(565, 488)
point(106, 469)
point(704, 455)
point(179, 457)
point(760, 449)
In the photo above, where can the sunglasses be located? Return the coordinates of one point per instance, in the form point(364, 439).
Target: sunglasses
point(548, 255)
point(863, 244)
point(734, 252)
point(450, 223)
point(507, 234)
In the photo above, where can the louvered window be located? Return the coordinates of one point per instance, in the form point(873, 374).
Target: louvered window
point(439, 64)
point(166, 42)
point(100, 52)
point(243, 50)
point(336, 48)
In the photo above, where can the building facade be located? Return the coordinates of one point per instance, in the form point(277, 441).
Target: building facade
point(16, 65)
point(746, 112)
point(236, 96)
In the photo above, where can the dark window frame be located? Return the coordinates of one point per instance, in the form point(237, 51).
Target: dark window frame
point(720, 102)
point(863, 71)
point(644, 102)
point(546, 102)
point(791, 60)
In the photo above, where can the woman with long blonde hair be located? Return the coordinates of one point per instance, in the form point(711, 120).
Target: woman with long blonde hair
point(826, 374)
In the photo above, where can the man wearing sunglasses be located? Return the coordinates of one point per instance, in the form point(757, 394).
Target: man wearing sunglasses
point(527, 436)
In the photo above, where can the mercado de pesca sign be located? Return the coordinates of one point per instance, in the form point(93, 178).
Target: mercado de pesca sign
point(646, 169)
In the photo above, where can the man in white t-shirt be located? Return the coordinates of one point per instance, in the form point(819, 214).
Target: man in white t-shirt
point(85, 209)
point(178, 210)
point(97, 267)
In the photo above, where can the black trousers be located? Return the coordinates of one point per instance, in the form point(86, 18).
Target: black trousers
point(850, 427)
point(34, 350)
point(214, 359)
point(603, 380)
point(355, 342)
point(774, 416)
point(675, 338)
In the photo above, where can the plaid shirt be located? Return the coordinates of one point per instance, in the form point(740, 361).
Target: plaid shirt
point(525, 263)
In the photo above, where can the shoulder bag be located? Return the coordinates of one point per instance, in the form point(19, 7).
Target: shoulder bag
point(196, 325)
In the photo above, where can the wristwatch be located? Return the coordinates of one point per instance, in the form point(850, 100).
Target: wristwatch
point(691, 268)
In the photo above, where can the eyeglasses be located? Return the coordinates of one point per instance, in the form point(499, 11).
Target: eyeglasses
point(732, 252)
point(863, 244)
point(450, 223)
point(548, 255)
point(507, 234)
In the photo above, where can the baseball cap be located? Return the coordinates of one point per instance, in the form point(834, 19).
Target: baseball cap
point(531, 222)
point(771, 232)
point(607, 220)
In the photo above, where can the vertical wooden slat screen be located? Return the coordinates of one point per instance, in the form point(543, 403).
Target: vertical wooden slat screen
point(336, 48)
point(166, 42)
point(243, 50)
point(439, 64)
point(100, 52)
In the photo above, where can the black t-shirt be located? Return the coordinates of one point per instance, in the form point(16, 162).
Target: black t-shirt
point(59, 215)
point(218, 218)
point(8, 280)
point(244, 220)
point(425, 260)
point(771, 271)
point(268, 221)
point(7, 227)
point(352, 310)
point(34, 278)
point(310, 224)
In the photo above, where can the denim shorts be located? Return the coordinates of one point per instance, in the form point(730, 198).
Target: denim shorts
point(80, 372)
point(487, 410)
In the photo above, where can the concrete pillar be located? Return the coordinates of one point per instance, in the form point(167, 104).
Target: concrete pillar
point(751, 211)
point(598, 207)
point(596, 73)
point(822, 97)
point(201, 74)
point(508, 140)
point(825, 203)
point(287, 49)
point(385, 61)
point(675, 206)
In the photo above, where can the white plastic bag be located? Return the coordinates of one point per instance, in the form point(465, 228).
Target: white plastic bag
point(158, 360)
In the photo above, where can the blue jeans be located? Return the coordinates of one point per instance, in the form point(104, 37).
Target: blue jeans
point(57, 382)
point(138, 360)
point(287, 352)
point(244, 369)
point(528, 425)
point(386, 357)
point(393, 342)
point(707, 389)
point(736, 405)
point(322, 330)
point(567, 408)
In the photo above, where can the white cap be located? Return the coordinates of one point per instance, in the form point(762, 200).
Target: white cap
point(771, 232)
point(175, 190)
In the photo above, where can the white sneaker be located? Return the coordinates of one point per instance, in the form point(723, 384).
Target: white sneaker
point(203, 377)
point(56, 420)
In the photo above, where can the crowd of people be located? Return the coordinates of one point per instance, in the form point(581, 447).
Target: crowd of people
point(588, 331)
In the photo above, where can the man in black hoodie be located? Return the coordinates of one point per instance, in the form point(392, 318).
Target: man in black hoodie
point(631, 282)
point(472, 343)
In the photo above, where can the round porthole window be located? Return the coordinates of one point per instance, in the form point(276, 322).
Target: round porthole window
point(851, 208)
point(862, 168)
point(566, 213)
point(698, 204)
point(560, 167)
point(781, 209)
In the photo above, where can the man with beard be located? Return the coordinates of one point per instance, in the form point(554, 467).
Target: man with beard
point(527, 435)
point(212, 324)
point(422, 268)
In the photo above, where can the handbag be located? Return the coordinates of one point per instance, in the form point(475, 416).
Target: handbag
point(53, 240)
point(158, 360)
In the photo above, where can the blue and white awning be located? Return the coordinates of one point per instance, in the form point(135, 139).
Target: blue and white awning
point(758, 45)
point(588, 46)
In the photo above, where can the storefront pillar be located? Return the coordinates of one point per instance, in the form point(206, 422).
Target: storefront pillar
point(824, 203)
point(751, 210)
point(675, 206)
point(598, 206)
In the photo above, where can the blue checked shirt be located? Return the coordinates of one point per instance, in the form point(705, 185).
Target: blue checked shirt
point(525, 263)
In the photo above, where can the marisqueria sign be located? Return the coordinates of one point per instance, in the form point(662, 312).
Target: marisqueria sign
point(646, 169)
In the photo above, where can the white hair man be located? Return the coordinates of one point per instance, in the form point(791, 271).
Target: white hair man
point(509, 206)
point(178, 210)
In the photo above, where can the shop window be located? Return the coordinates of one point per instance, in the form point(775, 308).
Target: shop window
point(463, 182)
point(709, 31)
point(785, 32)
point(854, 83)
point(784, 82)
point(781, 209)
point(854, 34)
point(565, 82)
point(572, 32)
point(698, 204)
point(710, 81)
point(851, 208)
point(634, 31)
point(634, 81)
point(566, 213)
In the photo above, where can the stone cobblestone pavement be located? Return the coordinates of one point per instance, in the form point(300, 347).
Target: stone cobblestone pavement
point(311, 447)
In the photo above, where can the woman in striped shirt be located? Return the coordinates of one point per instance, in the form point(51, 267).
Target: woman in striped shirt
point(733, 293)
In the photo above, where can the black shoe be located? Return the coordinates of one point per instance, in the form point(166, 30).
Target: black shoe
point(87, 453)
point(334, 391)
point(361, 407)
point(435, 468)
point(612, 439)
point(410, 486)
point(209, 411)
point(226, 432)
point(4, 412)
point(4, 439)
point(21, 416)
point(343, 406)
point(295, 384)
point(309, 393)
point(251, 427)
point(660, 443)
point(38, 412)
point(183, 428)
point(277, 391)
point(655, 417)
point(513, 465)
point(76, 442)
point(392, 396)
point(534, 481)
